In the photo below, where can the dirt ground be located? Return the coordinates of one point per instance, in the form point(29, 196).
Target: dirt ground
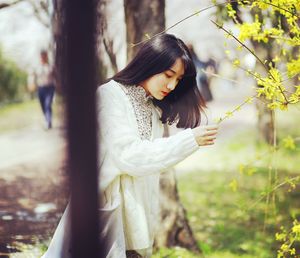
point(32, 185)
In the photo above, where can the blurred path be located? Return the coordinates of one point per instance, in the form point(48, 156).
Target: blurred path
point(30, 145)
point(32, 185)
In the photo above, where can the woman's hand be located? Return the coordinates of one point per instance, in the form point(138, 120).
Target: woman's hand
point(205, 135)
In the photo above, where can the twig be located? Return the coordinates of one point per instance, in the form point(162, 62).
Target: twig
point(296, 178)
point(237, 108)
point(219, 76)
point(5, 5)
point(240, 42)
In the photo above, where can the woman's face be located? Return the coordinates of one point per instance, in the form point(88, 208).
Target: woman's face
point(161, 84)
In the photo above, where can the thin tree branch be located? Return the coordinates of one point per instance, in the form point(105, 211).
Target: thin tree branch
point(37, 11)
point(238, 108)
point(5, 5)
point(241, 43)
point(273, 190)
point(220, 76)
point(108, 45)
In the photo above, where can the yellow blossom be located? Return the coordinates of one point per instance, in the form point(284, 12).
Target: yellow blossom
point(236, 62)
point(280, 236)
point(229, 113)
point(293, 67)
point(296, 229)
point(284, 247)
point(233, 185)
point(241, 168)
point(289, 143)
point(251, 171)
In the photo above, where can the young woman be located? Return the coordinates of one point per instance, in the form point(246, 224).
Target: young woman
point(157, 87)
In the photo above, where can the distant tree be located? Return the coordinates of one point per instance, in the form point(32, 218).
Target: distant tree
point(41, 8)
point(143, 18)
point(105, 43)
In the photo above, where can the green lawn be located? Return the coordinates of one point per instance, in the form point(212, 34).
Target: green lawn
point(25, 114)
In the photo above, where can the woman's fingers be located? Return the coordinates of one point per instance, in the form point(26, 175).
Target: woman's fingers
point(212, 127)
point(205, 135)
point(210, 138)
point(210, 141)
point(209, 133)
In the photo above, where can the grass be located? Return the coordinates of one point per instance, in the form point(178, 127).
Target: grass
point(13, 119)
point(29, 251)
point(20, 115)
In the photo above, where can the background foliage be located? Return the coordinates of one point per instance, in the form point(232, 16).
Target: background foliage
point(12, 80)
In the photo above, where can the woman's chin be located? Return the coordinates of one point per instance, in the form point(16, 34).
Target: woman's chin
point(158, 96)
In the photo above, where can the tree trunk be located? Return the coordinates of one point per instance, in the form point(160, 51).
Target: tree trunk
point(266, 116)
point(174, 229)
point(105, 43)
point(266, 121)
point(142, 17)
point(58, 21)
point(148, 17)
point(74, 29)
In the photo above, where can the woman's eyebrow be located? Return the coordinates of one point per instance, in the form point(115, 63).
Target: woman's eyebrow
point(173, 71)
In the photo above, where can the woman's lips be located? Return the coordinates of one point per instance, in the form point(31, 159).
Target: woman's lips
point(165, 93)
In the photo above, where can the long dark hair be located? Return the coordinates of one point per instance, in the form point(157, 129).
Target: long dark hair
point(185, 103)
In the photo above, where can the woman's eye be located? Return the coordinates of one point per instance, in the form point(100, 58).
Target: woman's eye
point(168, 75)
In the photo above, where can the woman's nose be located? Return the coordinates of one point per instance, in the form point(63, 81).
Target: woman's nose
point(171, 85)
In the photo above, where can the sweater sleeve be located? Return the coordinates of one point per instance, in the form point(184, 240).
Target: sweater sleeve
point(132, 155)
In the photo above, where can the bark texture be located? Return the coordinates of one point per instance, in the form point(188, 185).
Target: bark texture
point(105, 42)
point(174, 228)
point(142, 18)
point(266, 121)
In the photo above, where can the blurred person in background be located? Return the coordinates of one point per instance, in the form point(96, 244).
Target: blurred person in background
point(46, 88)
point(204, 73)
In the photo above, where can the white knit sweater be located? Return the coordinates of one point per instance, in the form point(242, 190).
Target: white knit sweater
point(129, 175)
point(130, 169)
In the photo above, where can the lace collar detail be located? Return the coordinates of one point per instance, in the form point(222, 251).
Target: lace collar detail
point(142, 106)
